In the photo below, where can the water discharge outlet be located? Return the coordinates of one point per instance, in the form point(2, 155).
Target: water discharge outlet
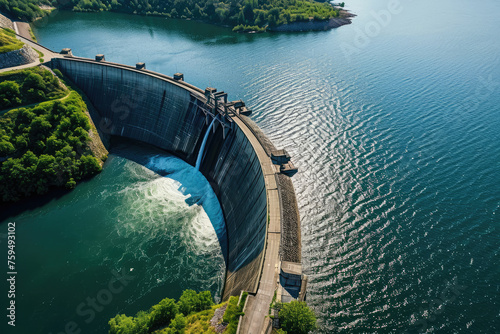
point(203, 144)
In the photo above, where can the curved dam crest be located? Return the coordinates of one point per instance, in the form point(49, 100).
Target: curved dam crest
point(178, 117)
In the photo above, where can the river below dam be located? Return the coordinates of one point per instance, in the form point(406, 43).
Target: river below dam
point(149, 219)
point(394, 124)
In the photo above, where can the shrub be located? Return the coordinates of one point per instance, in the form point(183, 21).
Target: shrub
point(191, 302)
point(233, 312)
point(177, 325)
point(238, 28)
point(121, 324)
point(162, 313)
point(297, 318)
point(58, 73)
point(10, 94)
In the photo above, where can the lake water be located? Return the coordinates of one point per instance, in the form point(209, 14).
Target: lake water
point(394, 122)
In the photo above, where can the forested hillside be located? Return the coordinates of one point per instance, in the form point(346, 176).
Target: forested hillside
point(258, 13)
point(26, 10)
point(42, 145)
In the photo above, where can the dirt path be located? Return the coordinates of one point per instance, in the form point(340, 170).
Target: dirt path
point(33, 104)
point(68, 93)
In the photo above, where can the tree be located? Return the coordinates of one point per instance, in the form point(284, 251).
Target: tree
point(9, 94)
point(121, 324)
point(70, 184)
point(40, 128)
point(297, 318)
point(162, 313)
point(272, 20)
point(177, 325)
point(190, 301)
point(141, 323)
point(6, 148)
point(53, 145)
point(33, 80)
point(248, 13)
point(210, 9)
point(261, 18)
point(226, 12)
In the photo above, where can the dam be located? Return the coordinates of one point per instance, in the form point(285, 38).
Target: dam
point(249, 176)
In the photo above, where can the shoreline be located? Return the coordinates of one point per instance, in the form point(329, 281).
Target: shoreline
point(345, 18)
point(335, 22)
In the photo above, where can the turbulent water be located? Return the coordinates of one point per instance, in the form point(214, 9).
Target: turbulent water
point(394, 123)
point(152, 230)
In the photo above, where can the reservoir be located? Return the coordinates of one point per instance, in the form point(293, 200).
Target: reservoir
point(393, 122)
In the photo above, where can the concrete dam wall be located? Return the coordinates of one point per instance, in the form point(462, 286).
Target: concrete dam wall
point(172, 115)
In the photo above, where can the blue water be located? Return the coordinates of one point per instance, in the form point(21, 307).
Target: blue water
point(199, 159)
point(396, 135)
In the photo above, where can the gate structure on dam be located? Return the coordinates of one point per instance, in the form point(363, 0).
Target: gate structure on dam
point(248, 175)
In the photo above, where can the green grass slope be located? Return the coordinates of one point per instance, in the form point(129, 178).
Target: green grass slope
point(8, 41)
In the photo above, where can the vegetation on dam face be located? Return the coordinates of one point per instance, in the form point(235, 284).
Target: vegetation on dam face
point(8, 41)
point(192, 314)
point(240, 14)
point(195, 313)
point(45, 144)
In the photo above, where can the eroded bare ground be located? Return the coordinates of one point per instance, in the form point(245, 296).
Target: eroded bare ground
point(216, 321)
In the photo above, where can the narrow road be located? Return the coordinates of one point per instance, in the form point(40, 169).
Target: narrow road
point(256, 311)
point(47, 54)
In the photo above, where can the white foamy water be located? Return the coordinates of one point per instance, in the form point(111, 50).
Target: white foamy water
point(153, 219)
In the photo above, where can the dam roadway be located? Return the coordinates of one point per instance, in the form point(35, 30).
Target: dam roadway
point(171, 114)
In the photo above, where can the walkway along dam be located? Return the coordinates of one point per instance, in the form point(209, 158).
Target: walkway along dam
point(248, 174)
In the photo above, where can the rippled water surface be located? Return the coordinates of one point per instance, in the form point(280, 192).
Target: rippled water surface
point(394, 123)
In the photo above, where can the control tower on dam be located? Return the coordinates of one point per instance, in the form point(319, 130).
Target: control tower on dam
point(250, 177)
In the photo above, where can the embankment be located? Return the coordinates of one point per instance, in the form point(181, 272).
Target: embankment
point(23, 56)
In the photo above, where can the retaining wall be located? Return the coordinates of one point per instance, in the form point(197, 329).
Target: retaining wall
point(23, 56)
point(5, 22)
